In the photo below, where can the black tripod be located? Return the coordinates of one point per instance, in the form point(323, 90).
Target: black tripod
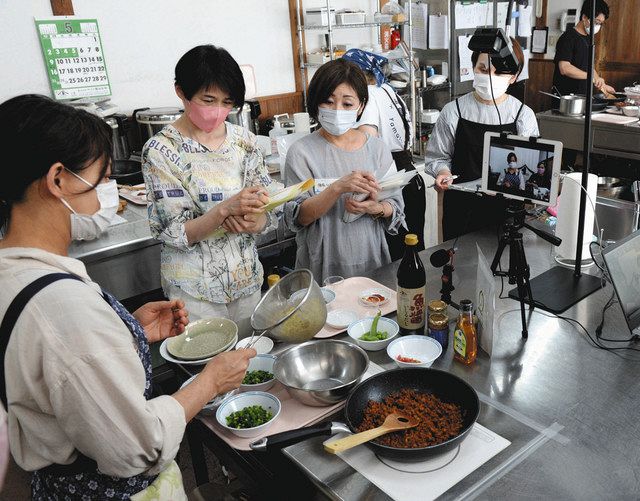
point(518, 271)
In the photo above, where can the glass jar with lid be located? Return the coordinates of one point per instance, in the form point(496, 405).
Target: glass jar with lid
point(438, 329)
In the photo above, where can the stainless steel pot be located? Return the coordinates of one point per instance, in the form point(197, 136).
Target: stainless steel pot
point(119, 130)
point(322, 372)
point(570, 105)
point(152, 120)
point(610, 187)
point(246, 116)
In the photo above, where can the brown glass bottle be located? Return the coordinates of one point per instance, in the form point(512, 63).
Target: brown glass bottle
point(411, 289)
point(465, 338)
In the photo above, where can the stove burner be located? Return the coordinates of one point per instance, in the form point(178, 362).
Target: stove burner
point(433, 464)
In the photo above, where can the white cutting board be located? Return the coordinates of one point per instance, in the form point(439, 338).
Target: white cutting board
point(614, 119)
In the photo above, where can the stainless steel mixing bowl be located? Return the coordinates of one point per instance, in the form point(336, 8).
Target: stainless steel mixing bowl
point(322, 372)
point(289, 316)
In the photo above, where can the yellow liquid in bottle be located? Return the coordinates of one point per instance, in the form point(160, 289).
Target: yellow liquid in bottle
point(465, 340)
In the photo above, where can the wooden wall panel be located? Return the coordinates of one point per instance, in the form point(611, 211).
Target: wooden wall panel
point(62, 7)
point(295, 44)
point(540, 78)
point(280, 103)
point(619, 44)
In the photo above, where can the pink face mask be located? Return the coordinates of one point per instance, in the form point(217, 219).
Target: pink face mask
point(206, 118)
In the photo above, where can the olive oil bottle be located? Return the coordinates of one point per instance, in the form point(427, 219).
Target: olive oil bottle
point(465, 338)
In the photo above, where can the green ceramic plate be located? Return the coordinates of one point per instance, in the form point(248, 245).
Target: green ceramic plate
point(203, 339)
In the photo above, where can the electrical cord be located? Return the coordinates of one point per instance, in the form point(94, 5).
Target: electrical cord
point(492, 96)
point(593, 341)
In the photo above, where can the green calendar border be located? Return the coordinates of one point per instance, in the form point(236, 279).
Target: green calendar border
point(68, 24)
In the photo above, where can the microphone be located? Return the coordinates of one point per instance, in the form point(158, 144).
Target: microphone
point(444, 258)
point(441, 257)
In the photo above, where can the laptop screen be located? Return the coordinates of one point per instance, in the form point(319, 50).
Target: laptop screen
point(623, 262)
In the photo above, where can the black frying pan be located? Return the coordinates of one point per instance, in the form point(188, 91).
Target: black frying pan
point(600, 97)
point(444, 385)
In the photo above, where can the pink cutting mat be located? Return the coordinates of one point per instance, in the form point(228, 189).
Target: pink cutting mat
point(293, 415)
point(347, 298)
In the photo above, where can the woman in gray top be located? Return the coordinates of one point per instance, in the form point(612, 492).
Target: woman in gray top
point(340, 226)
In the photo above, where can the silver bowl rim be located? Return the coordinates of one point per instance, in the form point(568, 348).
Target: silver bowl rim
point(303, 271)
point(340, 341)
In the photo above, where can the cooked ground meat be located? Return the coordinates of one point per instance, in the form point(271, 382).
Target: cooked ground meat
point(439, 421)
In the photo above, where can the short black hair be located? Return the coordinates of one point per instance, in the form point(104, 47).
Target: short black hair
point(517, 49)
point(207, 66)
point(512, 154)
point(329, 76)
point(601, 8)
point(35, 133)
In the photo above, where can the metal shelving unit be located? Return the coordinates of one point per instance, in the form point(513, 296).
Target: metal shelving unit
point(331, 27)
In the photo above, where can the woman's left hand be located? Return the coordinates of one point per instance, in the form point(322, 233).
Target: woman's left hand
point(162, 319)
point(249, 223)
point(368, 206)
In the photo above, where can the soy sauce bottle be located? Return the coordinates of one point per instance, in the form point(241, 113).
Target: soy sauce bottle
point(411, 289)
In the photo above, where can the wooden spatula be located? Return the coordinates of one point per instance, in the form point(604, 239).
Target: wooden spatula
point(393, 422)
point(608, 95)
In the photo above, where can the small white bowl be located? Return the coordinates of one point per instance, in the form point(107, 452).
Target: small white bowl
point(631, 111)
point(261, 363)
point(247, 399)
point(360, 327)
point(341, 319)
point(262, 346)
point(423, 348)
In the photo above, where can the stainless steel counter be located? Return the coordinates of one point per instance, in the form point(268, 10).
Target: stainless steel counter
point(126, 259)
point(608, 139)
point(555, 379)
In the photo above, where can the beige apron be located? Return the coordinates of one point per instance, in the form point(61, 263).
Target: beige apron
point(167, 486)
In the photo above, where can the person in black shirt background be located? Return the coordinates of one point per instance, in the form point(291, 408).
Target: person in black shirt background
point(572, 53)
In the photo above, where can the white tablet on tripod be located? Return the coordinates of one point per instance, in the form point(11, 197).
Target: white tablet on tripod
point(521, 168)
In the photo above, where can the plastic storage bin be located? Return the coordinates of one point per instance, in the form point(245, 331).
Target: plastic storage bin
point(318, 17)
point(350, 17)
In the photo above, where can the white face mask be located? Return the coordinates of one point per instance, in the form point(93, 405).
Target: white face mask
point(89, 227)
point(337, 122)
point(588, 28)
point(482, 85)
point(513, 165)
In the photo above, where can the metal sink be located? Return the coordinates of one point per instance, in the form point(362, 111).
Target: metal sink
point(617, 218)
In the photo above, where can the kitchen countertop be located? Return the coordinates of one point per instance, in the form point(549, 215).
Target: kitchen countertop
point(616, 140)
point(124, 237)
point(556, 380)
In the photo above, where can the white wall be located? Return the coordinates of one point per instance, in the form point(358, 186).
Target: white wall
point(555, 8)
point(143, 40)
